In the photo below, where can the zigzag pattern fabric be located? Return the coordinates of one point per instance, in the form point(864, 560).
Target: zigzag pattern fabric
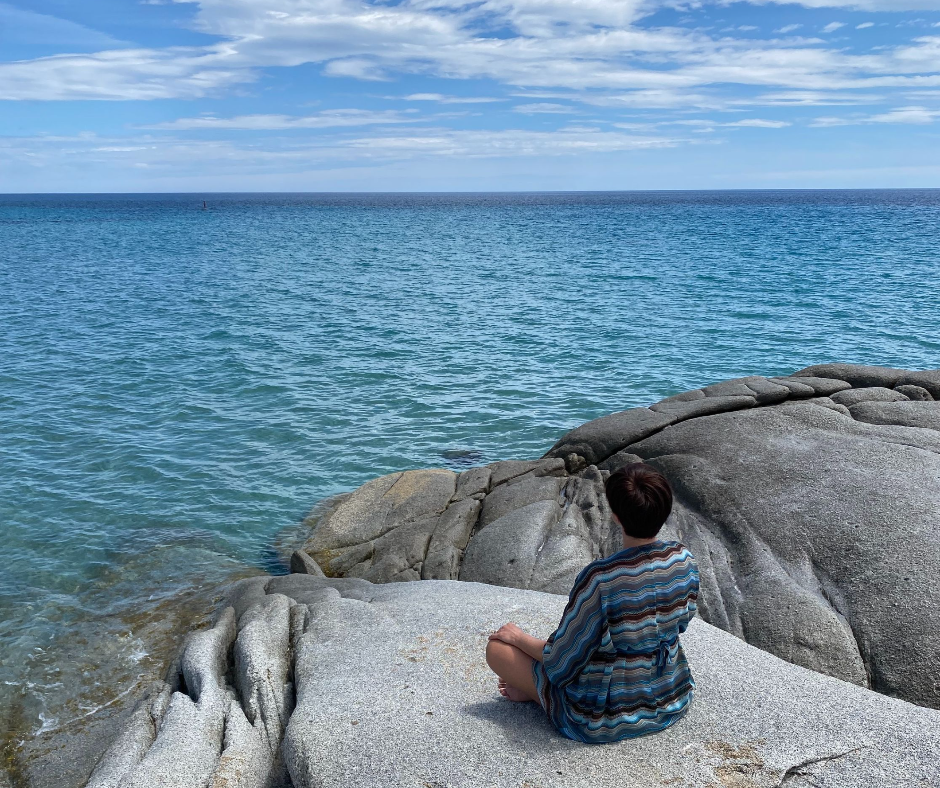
point(614, 669)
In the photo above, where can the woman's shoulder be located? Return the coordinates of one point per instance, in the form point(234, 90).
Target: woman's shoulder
point(660, 550)
point(634, 560)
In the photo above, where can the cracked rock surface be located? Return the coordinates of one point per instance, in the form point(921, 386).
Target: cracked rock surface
point(811, 502)
point(310, 682)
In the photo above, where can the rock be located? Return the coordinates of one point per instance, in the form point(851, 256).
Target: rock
point(925, 415)
point(189, 738)
point(539, 532)
point(685, 396)
point(764, 391)
point(449, 540)
point(504, 553)
point(302, 563)
point(599, 439)
point(852, 397)
point(473, 482)
point(917, 393)
point(821, 387)
point(857, 375)
point(133, 742)
point(824, 402)
point(392, 690)
point(681, 411)
point(506, 470)
point(928, 380)
point(521, 492)
point(810, 521)
point(797, 388)
point(400, 509)
point(619, 460)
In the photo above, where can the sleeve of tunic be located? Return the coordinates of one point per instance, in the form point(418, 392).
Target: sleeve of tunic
point(570, 647)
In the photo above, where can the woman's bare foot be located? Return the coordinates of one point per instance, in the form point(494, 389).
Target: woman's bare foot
point(515, 695)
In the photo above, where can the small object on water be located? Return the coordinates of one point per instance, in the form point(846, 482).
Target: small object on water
point(204, 206)
point(462, 456)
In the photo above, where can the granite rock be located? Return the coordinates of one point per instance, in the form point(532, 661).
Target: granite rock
point(682, 411)
point(917, 393)
point(852, 397)
point(599, 439)
point(392, 690)
point(856, 375)
point(821, 387)
point(921, 415)
point(929, 380)
point(827, 525)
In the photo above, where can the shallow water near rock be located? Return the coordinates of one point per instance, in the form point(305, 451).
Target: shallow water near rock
point(180, 386)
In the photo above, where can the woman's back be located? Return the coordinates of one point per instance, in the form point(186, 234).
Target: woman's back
point(614, 668)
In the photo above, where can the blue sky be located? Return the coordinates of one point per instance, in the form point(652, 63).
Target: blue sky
point(402, 95)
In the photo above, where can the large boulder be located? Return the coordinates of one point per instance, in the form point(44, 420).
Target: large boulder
point(816, 536)
point(312, 682)
point(811, 502)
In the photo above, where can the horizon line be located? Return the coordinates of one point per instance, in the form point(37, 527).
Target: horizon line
point(490, 191)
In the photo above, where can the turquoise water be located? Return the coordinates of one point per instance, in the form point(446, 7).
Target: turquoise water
point(179, 386)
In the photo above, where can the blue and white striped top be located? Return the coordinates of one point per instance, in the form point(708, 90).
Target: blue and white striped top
point(614, 668)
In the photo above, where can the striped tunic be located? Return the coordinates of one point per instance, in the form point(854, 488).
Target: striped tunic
point(614, 668)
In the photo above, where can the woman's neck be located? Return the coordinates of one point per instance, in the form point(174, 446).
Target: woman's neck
point(629, 541)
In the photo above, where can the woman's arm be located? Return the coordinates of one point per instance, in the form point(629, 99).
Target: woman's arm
point(581, 630)
point(514, 636)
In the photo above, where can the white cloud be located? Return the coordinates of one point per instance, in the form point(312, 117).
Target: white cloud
point(864, 25)
point(833, 26)
point(788, 29)
point(859, 5)
point(758, 123)
point(586, 47)
point(543, 108)
point(328, 119)
point(755, 123)
point(442, 99)
point(918, 115)
point(810, 98)
point(174, 157)
point(906, 115)
point(122, 74)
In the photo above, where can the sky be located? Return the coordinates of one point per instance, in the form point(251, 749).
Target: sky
point(451, 95)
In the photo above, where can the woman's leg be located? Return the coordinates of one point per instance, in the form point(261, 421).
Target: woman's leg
point(514, 667)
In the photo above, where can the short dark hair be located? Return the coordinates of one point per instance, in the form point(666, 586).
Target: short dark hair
point(641, 498)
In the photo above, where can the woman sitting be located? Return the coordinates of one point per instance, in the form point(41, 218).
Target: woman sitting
point(614, 668)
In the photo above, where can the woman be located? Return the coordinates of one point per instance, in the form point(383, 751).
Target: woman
point(614, 668)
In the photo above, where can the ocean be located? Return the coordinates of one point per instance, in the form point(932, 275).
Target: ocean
point(179, 386)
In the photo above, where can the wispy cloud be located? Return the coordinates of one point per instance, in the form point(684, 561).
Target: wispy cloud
point(833, 26)
point(543, 108)
point(710, 125)
point(328, 119)
point(442, 99)
point(171, 155)
point(859, 5)
point(908, 115)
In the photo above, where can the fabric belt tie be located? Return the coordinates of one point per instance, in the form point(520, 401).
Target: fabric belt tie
point(668, 652)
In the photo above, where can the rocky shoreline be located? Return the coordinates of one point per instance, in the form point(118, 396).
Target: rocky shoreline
point(811, 502)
